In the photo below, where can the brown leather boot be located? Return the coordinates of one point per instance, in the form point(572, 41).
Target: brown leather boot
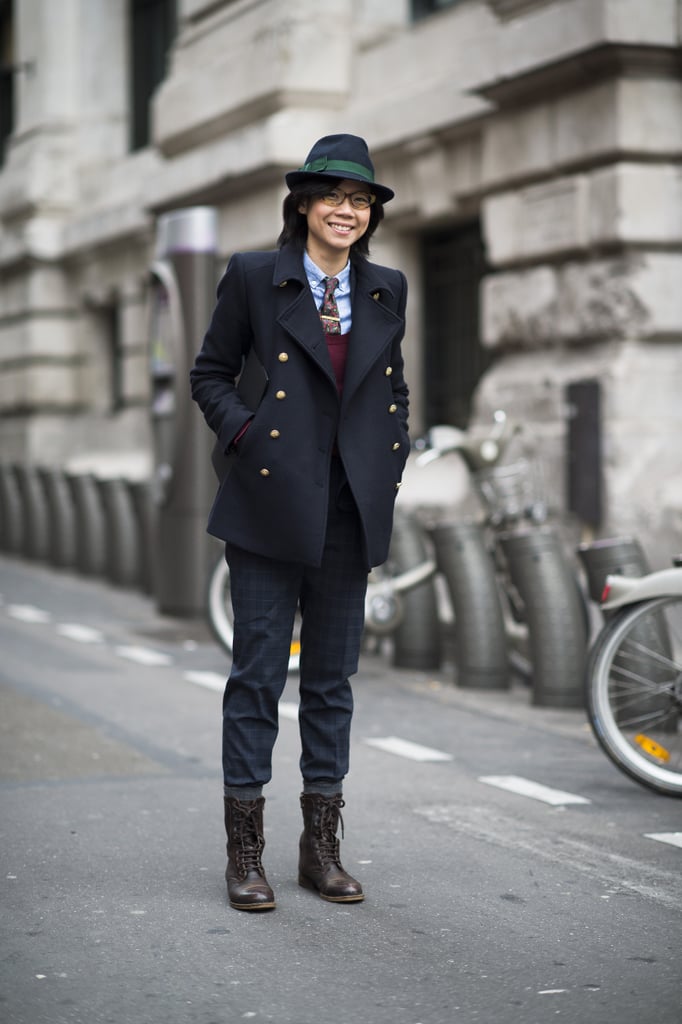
point(319, 865)
point(247, 886)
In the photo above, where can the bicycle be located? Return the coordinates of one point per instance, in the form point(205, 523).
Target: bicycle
point(518, 604)
point(634, 678)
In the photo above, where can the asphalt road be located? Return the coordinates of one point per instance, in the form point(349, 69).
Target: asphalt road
point(483, 904)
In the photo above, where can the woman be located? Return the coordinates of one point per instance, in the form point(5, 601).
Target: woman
point(306, 508)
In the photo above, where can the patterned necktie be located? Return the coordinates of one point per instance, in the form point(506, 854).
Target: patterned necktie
point(329, 311)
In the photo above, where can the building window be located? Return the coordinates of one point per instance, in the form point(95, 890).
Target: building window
point(104, 382)
point(423, 8)
point(453, 265)
point(6, 77)
point(153, 24)
point(113, 340)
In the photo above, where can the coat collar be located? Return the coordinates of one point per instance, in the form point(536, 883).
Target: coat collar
point(366, 276)
point(288, 266)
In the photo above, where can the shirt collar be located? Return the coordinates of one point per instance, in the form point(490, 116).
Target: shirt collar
point(316, 276)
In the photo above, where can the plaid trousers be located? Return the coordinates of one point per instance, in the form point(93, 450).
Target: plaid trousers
point(265, 595)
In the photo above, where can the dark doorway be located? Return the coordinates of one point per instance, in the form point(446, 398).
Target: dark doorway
point(7, 72)
point(453, 264)
point(153, 25)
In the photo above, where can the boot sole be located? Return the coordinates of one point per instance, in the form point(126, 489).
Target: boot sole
point(305, 883)
point(253, 906)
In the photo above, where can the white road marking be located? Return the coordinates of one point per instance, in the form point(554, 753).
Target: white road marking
point(673, 838)
point(144, 655)
point(28, 613)
point(405, 748)
point(81, 634)
point(534, 790)
point(288, 709)
point(211, 680)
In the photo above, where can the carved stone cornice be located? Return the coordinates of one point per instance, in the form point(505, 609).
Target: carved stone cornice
point(607, 60)
point(508, 9)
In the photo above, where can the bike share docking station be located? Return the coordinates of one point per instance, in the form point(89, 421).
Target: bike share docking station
point(182, 284)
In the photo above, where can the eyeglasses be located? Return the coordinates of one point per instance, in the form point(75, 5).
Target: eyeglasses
point(358, 200)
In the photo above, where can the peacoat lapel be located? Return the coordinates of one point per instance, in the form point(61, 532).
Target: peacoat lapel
point(374, 323)
point(295, 308)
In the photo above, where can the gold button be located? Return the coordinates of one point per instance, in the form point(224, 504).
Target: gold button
point(284, 284)
point(399, 485)
point(388, 371)
point(283, 357)
point(274, 433)
point(375, 295)
point(265, 472)
point(280, 394)
point(396, 446)
point(392, 407)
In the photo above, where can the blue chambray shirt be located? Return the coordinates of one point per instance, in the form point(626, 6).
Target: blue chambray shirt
point(342, 294)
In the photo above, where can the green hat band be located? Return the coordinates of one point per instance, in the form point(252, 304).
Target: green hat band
point(323, 164)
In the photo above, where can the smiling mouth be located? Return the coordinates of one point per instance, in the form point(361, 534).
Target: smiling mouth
point(341, 227)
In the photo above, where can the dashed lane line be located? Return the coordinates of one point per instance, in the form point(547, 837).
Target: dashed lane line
point(672, 838)
point(88, 635)
point(534, 790)
point(81, 634)
point(143, 655)
point(209, 680)
point(28, 613)
point(405, 748)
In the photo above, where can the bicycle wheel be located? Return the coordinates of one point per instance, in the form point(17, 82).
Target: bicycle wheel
point(553, 608)
point(220, 618)
point(634, 692)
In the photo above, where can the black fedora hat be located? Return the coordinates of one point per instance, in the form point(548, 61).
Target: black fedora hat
point(340, 156)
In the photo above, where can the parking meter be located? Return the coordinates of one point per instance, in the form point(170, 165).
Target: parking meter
point(182, 296)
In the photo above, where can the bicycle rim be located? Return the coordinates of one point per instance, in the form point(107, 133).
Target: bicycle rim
point(634, 693)
point(219, 606)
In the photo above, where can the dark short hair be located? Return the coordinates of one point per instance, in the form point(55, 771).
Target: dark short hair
point(295, 229)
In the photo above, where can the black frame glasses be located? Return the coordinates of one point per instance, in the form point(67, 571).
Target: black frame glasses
point(358, 200)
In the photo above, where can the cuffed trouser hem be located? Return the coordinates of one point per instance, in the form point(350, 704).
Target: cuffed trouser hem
point(243, 793)
point(325, 787)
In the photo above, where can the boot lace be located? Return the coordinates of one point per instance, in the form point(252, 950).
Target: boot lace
point(326, 841)
point(248, 840)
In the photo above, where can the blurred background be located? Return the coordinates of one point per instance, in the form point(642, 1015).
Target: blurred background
point(535, 148)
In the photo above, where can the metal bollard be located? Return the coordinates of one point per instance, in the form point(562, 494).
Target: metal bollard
point(62, 518)
point(35, 513)
point(417, 640)
point(555, 614)
point(145, 508)
point(122, 543)
point(11, 517)
point(90, 525)
point(480, 642)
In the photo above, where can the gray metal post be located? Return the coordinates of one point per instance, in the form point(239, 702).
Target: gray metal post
point(183, 282)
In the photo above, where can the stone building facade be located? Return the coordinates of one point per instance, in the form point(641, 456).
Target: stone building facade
point(535, 147)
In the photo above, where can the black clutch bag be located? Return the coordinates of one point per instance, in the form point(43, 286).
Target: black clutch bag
point(251, 386)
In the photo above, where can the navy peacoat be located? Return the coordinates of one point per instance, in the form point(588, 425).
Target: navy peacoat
point(274, 500)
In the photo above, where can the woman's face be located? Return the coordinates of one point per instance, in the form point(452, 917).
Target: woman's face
point(333, 229)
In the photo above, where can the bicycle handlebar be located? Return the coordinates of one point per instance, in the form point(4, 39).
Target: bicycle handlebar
point(477, 453)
